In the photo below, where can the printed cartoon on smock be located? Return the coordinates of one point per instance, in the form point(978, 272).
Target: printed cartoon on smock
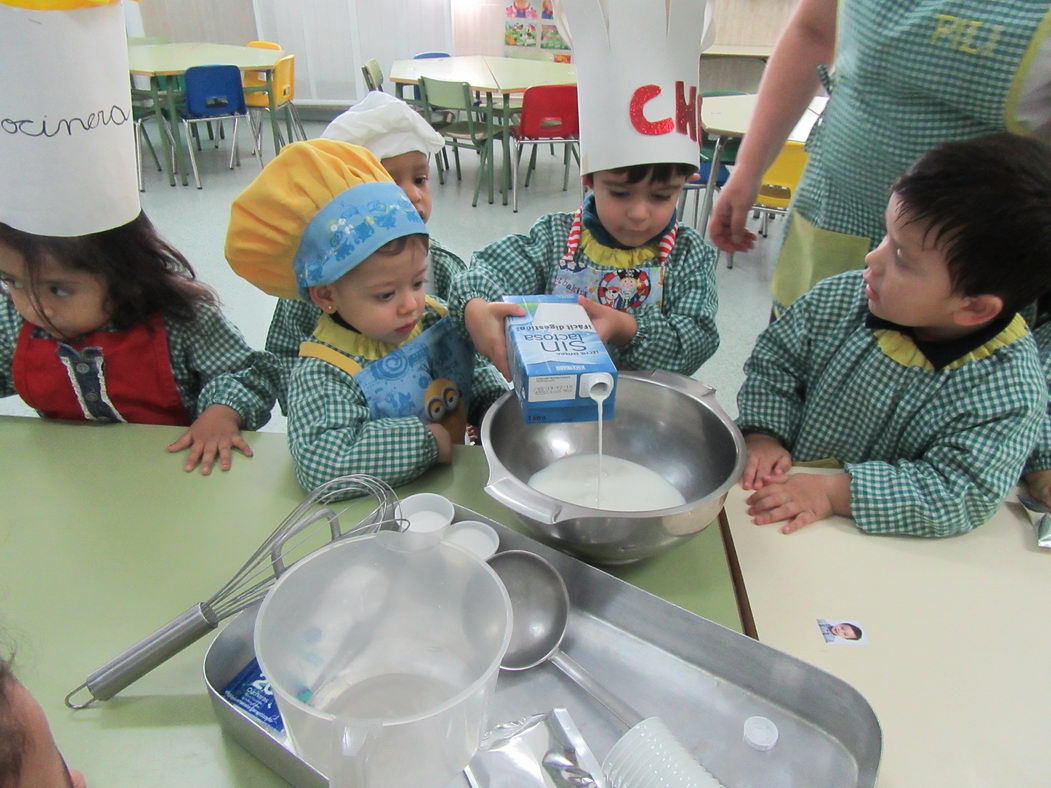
point(428, 377)
point(626, 289)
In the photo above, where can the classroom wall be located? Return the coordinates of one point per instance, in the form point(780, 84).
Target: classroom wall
point(214, 21)
point(752, 22)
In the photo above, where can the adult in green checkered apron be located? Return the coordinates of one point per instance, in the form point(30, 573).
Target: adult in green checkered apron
point(908, 75)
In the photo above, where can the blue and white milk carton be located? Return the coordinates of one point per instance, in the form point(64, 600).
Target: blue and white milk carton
point(557, 358)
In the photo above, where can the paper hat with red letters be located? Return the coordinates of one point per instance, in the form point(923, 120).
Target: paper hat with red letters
point(67, 150)
point(637, 64)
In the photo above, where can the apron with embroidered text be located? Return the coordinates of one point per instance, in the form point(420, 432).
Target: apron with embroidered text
point(113, 376)
point(908, 76)
point(428, 377)
point(625, 289)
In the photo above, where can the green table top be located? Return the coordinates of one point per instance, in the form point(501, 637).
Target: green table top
point(104, 539)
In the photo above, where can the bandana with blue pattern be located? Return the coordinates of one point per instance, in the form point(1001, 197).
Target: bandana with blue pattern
point(349, 229)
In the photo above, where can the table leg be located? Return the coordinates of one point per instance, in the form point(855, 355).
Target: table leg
point(505, 180)
point(709, 190)
point(180, 162)
point(489, 142)
point(272, 107)
point(162, 132)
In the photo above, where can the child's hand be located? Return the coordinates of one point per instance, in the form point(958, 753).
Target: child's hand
point(445, 442)
point(768, 461)
point(485, 324)
point(801, 499)
point(613, 326)
point(1039, 483)
point(216, 431)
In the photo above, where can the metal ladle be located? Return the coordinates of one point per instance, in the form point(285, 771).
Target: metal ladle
point(540, 608)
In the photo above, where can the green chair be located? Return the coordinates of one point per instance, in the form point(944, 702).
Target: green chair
point(373, 74)
point(473, 130)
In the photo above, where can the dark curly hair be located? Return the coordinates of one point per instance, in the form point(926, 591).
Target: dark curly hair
point(987, 202)
point(658, 173)
point(144, 274)
point(13, 739)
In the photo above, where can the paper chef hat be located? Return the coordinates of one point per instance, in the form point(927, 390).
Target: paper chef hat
point(637, 79)
point(67, 151)
point(385, 125)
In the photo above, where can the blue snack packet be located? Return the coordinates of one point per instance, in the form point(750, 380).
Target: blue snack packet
point(250, 690)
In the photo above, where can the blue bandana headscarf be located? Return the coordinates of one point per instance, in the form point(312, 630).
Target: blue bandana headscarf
point(349, 229)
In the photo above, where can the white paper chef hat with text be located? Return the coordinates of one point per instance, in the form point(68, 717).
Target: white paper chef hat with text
point(67, 150)
point(637, 64)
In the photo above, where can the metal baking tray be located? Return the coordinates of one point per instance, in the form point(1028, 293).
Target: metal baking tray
point(702, 679)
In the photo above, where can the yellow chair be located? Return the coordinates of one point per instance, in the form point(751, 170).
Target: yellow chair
point(780, 182)
point(283, 85)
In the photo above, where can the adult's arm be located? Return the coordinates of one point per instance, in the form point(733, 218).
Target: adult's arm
point(789, 83)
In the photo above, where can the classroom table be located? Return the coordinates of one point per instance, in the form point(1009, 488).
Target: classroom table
point(958, 637)
point(159, 62)
point(486, 74)
point(748, 51)
point(104, 538)
point(724, 117)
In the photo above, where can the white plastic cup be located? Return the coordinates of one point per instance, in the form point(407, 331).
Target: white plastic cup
point(476, 537)
point(427, 513)
point(649, 756)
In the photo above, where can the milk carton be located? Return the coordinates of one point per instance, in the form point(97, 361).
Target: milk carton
point(556, 358)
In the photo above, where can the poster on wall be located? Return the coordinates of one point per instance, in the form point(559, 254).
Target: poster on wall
point(530, 32)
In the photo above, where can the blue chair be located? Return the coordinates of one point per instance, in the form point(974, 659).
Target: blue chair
point(213, 93)
point(417, 97)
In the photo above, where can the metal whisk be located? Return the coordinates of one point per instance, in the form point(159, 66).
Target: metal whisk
point(291, 541)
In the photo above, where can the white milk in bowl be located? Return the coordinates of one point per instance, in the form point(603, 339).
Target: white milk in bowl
point(625, 486)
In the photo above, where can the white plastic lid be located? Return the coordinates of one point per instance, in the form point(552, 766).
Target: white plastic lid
point(760, 733)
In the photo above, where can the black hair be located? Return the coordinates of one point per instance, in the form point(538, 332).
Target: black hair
point(144, 274)
point(397, 245)
point(987, 202)
point(658, 173)
point(13, 738)
point(854, 627)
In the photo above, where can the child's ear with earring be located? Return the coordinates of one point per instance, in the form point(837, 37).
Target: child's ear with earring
point(322, 297)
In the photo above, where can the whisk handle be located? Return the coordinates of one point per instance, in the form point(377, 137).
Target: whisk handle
point(147, 654)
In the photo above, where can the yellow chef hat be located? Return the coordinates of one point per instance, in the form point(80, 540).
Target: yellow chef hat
point(315, 212)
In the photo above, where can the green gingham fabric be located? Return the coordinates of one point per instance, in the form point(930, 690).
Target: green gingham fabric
point(929, 452)
point(211, 364)
point(908, 76)
point(679, 336)
point(1040, 459)
point(330, 433)
point(294, 321)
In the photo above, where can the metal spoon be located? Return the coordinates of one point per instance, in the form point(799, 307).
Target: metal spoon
point(540, 607)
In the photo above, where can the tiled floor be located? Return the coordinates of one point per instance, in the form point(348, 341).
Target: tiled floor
point(195, 222)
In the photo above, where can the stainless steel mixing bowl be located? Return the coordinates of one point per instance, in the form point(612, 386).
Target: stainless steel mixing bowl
point(667, 422)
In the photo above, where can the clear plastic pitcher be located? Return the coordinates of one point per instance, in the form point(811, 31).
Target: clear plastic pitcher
point(383, 651)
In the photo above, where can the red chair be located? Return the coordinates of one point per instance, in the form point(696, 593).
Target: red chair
point(549, 116)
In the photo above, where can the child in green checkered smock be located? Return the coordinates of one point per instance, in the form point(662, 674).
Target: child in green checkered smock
point(1038, 466)
point(402, 141)
point(916, 376)
point(383, 385)
point(907, 75)
point(112, 327)
point(651, 293)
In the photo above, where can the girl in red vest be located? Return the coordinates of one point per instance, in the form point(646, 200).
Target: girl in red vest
point(113, 326)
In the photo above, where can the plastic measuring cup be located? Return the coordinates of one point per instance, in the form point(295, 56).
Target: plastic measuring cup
point(382, 652)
